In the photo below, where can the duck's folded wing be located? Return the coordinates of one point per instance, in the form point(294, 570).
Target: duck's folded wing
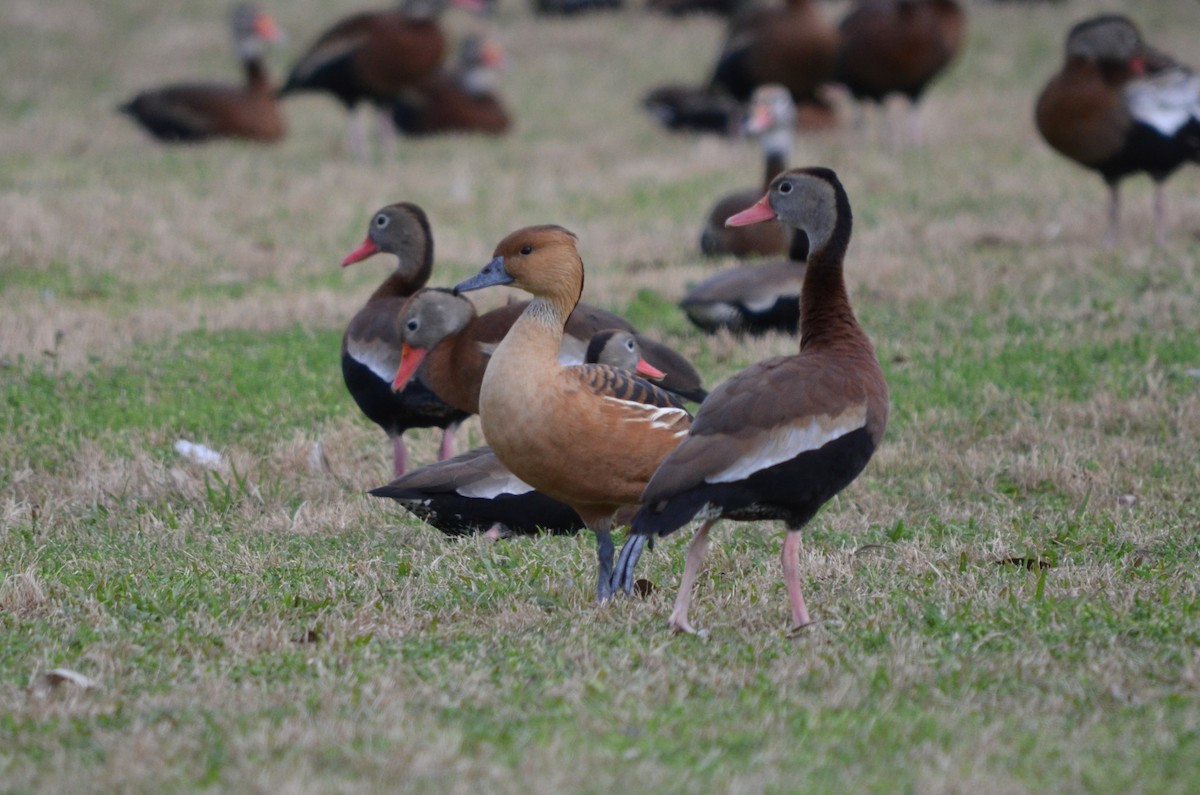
point(766, 415)
point(622, 385)
point(477, 474)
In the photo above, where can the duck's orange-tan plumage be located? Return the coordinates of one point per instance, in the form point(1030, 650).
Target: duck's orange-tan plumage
point(588, 435)
point(449, 345)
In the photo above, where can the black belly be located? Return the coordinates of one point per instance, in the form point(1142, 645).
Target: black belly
point(792, 491)
point(415, 407)
point(456, 515)
point(1148, 150)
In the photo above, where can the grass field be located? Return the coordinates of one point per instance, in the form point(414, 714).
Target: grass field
point(1008, 596)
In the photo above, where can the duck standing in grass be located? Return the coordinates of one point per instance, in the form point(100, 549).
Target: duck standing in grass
point(1120, 107)
point(371, 347)
point(782, 437)
point(373, 56)
point(772, 117)
point(589, 435)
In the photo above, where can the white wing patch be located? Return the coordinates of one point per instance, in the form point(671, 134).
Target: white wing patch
point(496, 486)
point(665, 418)
point(785, 442)
point(376, 358)
point(571, 351)
point(1166, 100)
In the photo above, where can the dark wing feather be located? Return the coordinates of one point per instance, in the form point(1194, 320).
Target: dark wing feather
point(614, 382)
point(741, 413)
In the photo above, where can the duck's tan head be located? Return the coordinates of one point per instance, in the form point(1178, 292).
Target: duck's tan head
point(426, 319)
point(401, 229)
point(542, 260)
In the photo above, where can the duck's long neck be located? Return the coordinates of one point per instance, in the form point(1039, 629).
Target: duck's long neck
point(256, 73)
point(403, 282)
point(537, 334)
point(777, 150)
point(826, 318)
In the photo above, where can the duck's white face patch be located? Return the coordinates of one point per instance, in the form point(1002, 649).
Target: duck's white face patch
point(1165, 101)
point(379, 359)
point(667, 418)
point(785, 442)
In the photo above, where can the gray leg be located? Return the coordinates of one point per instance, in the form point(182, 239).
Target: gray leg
point(604, 557)
point(631, 551)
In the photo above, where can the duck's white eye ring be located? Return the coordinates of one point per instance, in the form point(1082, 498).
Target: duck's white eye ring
point(381, 221)
point(785, 187)
point(413, 324)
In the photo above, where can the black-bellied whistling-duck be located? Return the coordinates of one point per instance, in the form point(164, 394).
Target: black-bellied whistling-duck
point(773, 119)
point(475, 493)
point(373, 56)
point(751, 299)
point(371, 344)
point(589, 435)
point(194, 112)
point(898, 47)
point(1119, 107)
point(461, 99)
point(792, 45)
point(449, 346)
point(780, 438)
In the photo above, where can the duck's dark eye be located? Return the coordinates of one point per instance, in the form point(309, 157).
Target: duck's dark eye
point(413, 324)
point(785, 187)
point(381, 221)
point(526, 249)
point(629, 345)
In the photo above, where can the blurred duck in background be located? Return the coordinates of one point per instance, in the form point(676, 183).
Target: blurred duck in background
point(1119, 107)
point(898, 47)
point(792, 45)
point(460, 99)
point(196, 112)
point(374, 56)
point(772, 118)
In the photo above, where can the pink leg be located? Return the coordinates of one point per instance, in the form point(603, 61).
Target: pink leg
point(1160, 215)
point(495, 532)
point(1114, 215)
point(695, 556)
point(447, 448)
point(399, 455)
point(791, 575)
